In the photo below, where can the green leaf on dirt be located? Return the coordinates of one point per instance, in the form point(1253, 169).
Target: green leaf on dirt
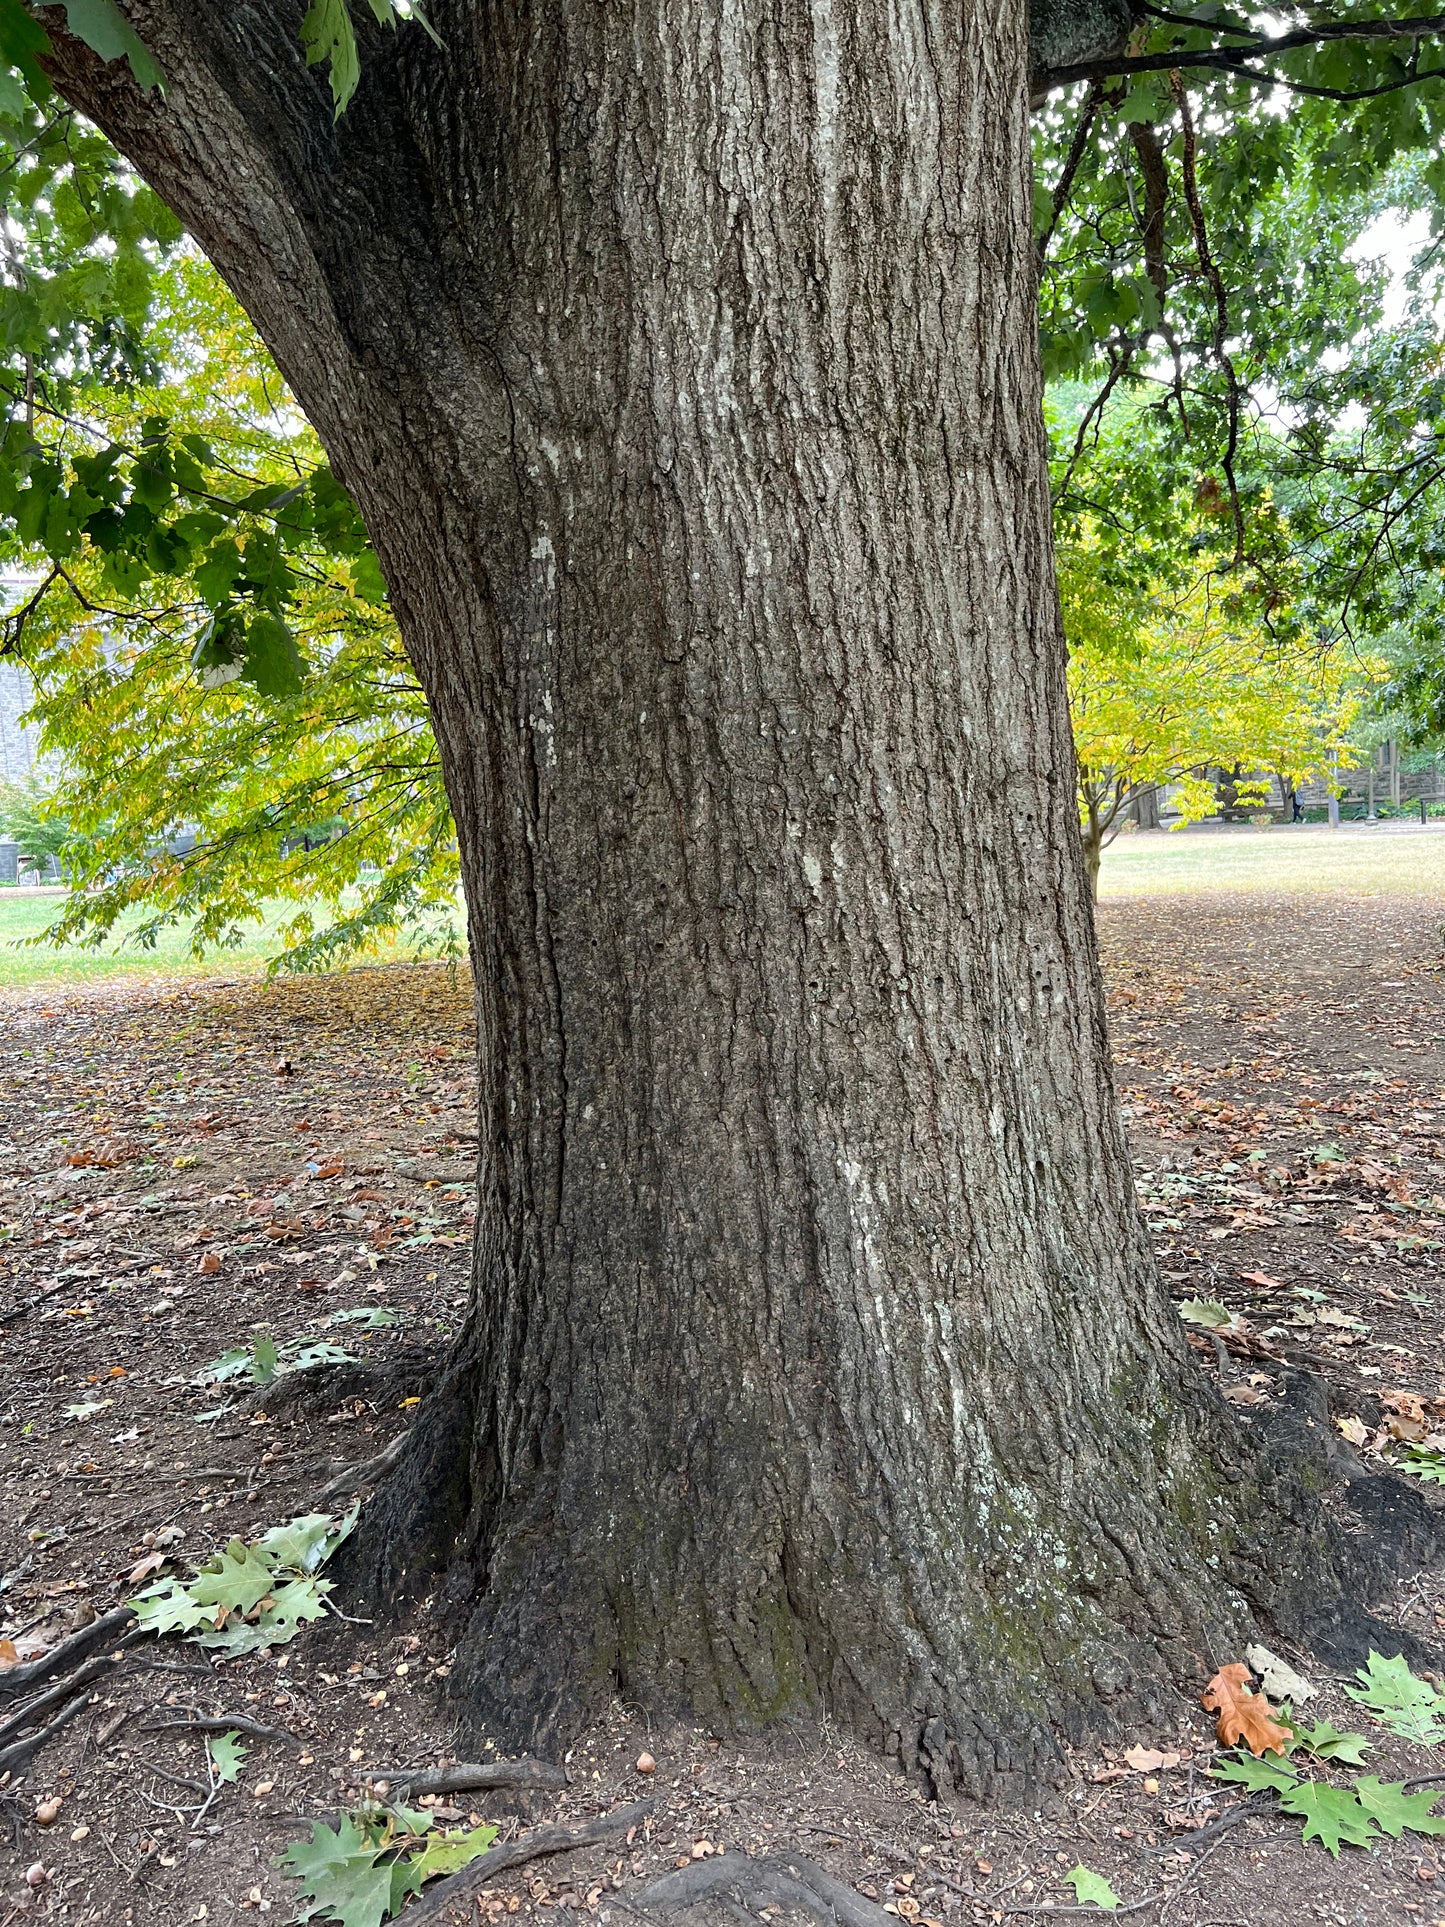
point(1421, 1462)
point(1206, 1313)
point(88, 1409)
point(1393, 1809)
point(1330, 1814)
point(320, 1351)
point(235, 1363)
point(264, 1358)
point(1264, 1775)
point(1326, 1742)
point(263, 1361)
point(308, 1542)
point(449, 1853)
point(249, 1596)
point(1410, 1707)
point(340, 1875)
point(167, 1607)
point(228, 1754)
point(361, 1873)
point(1091, 1886)
point(236, 1579)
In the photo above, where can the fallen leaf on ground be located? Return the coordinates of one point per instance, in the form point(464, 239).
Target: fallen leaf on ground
point(1242, 1714)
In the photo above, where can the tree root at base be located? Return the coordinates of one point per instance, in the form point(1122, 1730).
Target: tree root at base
point(463, 1887)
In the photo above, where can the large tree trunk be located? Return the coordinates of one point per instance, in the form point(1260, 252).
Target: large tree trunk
point(681, 356)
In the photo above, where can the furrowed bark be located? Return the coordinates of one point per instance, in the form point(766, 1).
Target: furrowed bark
point(682, 359)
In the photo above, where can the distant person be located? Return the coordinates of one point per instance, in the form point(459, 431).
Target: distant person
point(1296, 814)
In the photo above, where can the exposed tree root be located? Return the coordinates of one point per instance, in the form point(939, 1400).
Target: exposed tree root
point(493, 1776)
point(100, 1632)
point(438, 1901)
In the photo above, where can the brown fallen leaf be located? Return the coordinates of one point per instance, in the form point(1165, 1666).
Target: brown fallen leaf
point(1409, 1429)
point(210, 1261)
point(1242, 1714)
point(1406, 1404)
point(1352, 1428)
point(152, 1562)
point(1263, 1280)
point(1144, 1759)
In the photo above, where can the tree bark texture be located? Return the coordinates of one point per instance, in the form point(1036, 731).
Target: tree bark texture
point(681, 356)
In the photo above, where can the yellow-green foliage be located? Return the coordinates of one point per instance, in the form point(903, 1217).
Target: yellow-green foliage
point(346, 763)
point(1166, 685)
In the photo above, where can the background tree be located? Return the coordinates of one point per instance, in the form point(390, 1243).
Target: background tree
point(684, 369)
point(313, 780)
point(1162, 694)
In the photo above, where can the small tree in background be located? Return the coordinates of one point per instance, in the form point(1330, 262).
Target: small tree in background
point(1163, 688)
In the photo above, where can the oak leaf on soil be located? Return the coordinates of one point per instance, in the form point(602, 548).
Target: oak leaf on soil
point(1242, 1714)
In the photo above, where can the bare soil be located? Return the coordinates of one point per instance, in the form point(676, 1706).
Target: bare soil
point(182, 1168)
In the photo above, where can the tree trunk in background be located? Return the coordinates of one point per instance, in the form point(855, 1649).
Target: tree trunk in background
point(1145, 807)
point(682, 359)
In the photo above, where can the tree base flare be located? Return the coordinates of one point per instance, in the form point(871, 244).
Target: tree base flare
point(975, 1671)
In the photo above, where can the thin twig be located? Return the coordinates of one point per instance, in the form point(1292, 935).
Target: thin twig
point(1262, 47)
point(222, 1723)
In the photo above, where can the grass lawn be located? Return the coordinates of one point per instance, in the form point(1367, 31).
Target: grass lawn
point(26, 911)
point(1302, 860)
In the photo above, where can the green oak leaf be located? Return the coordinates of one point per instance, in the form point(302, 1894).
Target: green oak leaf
point(264, 1359)
point(456, 1850)
point(1393, 1809)
point(238, 1579)
point(228, 1752)
point(1091, 1886)
point(1266, 1774)
point(308, 1542)
point(1410, 1707)
point(1331, 1815)
point(168, 1608)
point(1423, 1463)
point(339, 1875)
point(296, 1604)
point(1326, 1742)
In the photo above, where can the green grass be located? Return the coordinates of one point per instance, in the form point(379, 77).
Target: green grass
point(1298, 860)
point(25, 912)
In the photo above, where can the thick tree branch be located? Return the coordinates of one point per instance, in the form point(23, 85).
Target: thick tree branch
point(1258, 47)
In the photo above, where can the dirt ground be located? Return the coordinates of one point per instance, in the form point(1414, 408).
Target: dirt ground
point(184, 1167)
